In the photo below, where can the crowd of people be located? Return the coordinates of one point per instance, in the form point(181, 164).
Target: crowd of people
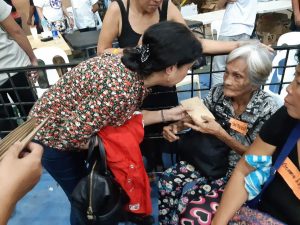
point(102, 95)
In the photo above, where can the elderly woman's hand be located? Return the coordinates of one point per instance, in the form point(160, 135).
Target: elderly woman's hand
point(170, 131)
point(210, 126)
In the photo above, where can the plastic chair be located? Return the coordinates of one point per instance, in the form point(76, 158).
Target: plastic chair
point(215, 27)
point(277, 73)
point(49, 56)
point(290, 38)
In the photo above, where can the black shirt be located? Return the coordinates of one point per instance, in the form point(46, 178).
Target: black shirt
point(278, 199)
point(160, 97)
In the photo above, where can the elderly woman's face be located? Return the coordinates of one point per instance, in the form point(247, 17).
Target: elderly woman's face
point(236, 79)
point(292, 100)
point(150, 6)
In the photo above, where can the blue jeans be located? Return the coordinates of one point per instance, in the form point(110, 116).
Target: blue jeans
point(67, 168)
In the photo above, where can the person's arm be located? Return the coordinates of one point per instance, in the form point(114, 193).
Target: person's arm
point(164, 115)
point(170, 132)
point(235, 187)
point(95, 7)
point(66, 14)
point(30, 15)
point(296, 10)
point(220, 4)
point(214, 128)
point(17, 33)
point(208, 46)
point(40, 12)
point(18, 176)
point(110, 28)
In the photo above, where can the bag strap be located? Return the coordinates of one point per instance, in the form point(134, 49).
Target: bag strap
point(287, 148)
point(97, 154)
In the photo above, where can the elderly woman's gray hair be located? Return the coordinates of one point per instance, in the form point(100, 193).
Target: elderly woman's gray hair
point(258, 59)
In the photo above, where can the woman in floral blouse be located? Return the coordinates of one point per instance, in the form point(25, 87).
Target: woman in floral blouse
point(105, 91)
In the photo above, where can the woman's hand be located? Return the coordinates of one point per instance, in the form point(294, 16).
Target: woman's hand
point(210, 126)
point(170, 131)
point(174, 114)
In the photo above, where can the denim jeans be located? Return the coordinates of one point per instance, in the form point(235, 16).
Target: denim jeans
point(67, 168)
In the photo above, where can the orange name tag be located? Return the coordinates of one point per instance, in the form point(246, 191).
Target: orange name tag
point(291, 175)
point(238, 126)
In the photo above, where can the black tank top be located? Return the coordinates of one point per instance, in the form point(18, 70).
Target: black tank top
point(160, 97)
point(128, 37)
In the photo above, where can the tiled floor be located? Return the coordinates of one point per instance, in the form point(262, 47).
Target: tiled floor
point(46, 204)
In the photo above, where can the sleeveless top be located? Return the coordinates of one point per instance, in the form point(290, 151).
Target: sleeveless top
point(160, 97)
point(128, 37)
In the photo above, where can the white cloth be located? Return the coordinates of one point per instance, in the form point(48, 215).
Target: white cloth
point(52, 9)
point(239, 18)
point(83, 15)
point(11, 54)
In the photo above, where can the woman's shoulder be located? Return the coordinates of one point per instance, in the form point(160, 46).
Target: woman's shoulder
point(263, 102)
point(277, 127)
point(115, 5)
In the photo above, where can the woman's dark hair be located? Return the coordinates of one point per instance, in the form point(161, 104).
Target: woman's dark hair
point(164, 44)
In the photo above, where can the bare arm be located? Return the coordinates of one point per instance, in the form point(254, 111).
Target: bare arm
point(40, 12)
point(235, 186)
point(30, 15)
point(209, 46)
point(170, 132)
point(95, 7)
point(214, 128)
point(165, 115)
point(18, 176)
point(221, 4)
point(17, 33)
point(110, 28)
point(296, 10)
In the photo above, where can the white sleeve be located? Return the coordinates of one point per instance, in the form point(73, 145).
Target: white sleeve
point(94, 1)
point(5, 10)
point(39, 3)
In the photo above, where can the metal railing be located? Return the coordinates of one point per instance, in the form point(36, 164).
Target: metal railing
point(13, 112)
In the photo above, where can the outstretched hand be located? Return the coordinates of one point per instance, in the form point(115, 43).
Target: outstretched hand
point(209, 126)
point(175, 113)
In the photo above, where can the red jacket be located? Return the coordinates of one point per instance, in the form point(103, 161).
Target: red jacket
point(125, 161)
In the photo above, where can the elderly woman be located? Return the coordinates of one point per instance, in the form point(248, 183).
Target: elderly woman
point(281, 199)
point(105, 91)
point(240, 99)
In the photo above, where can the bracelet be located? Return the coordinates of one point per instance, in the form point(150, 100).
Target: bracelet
point(115, 51)
point(162, 116)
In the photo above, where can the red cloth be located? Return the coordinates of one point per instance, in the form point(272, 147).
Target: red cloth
point(125, 161)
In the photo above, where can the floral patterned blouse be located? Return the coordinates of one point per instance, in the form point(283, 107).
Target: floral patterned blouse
point(98, 92)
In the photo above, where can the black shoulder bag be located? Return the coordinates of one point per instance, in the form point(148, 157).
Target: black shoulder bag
point(98, 196)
